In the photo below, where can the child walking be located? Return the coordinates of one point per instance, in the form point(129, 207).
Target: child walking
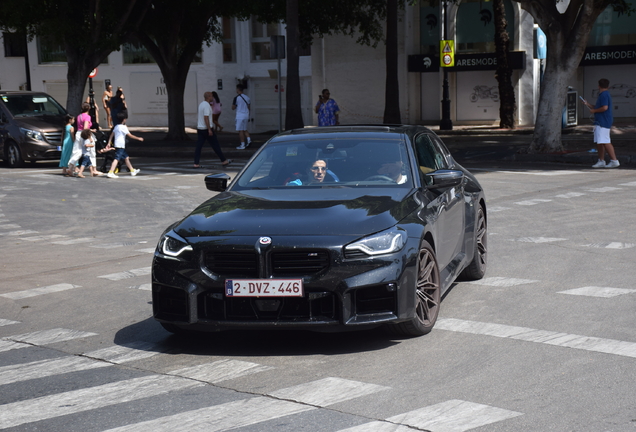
point(67, 146)
point(88, 155)
point(120, 132)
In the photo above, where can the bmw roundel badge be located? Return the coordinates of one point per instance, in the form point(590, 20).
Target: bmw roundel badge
point(265, 240)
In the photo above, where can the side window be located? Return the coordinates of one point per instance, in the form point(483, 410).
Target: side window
point(429, 157)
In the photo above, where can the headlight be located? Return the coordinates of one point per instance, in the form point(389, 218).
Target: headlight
point(385, 242)
point(32, 134)
point(173, 245)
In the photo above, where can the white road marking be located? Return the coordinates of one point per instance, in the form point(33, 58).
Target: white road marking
point(379, 426)
point(221, 370)
point(327, 391)
point(587, 343)
point(538, 239)
point(628, 184)
point(247, 412)
point(5, 322)
point(10, 226)
point(16, 295)
point(230, 415)
point(604, 189)
point(143, 287)
point(74, 241)
point(91, 360)
point(502, 281)
point(45, 368)
point(611, 245)
point(19, 233)
point(592, 291)
point(71, 402)
point(43, 337)
point(127, 274)
point(453, 416)
point(497, 209)
point(43, 237)
point(532, 202)
point(570, 195)
point(148, 250)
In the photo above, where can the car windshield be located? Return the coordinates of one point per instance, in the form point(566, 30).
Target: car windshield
point(30, 105)
point(346, 162)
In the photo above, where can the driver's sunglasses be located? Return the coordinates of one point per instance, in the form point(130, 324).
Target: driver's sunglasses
point(317, 168)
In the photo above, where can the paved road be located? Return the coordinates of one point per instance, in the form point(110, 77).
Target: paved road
point(545, 342)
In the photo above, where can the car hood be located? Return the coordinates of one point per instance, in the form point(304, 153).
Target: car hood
point(295, 211)
point(46, 123)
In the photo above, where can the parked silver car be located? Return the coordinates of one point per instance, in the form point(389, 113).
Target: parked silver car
point(31, 127)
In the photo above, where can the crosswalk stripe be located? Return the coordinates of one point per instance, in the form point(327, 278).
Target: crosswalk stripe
point(222, 417)
point(327, 391)
point(587, 343)
point(498, 281)
point(91, 360)
point(450, 416)
point(75, 401)
point(592, 291)
point(127, 274)
point(17, 295)
point(4, 322)
point(73, 241)
point(18, 233)
point(43, 237)
point(45, 368)
point(221, 370)
point(43, 337)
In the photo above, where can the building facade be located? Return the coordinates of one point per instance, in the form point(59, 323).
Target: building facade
point(355, 74)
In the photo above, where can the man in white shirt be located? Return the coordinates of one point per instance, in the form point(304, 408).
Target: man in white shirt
point(205, 132)
point(241, 104)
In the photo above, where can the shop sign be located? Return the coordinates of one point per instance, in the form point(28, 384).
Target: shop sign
point(465, 62)
point(609, 55)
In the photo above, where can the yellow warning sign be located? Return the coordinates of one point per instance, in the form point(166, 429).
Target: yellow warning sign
point(447, 53)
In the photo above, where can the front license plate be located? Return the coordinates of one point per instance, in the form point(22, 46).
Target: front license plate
point(59, 148)
point(263, 288)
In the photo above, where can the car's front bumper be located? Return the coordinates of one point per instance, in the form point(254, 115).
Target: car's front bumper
point(339, 294)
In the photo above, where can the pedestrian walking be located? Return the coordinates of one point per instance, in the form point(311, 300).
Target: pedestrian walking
point(205, 132)
point(603, 119)
point(327, 110)
point(216, 111)
point(88, 154)
point(84, 119)
point(119, 135)
point(67, 145)
point(241, 104)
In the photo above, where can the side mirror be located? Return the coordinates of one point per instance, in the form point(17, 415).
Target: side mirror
point(445, 179)
point(217, 182)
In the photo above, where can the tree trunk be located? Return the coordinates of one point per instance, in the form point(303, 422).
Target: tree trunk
point(392, 87)
point(507, 102)
point(76, 76)
point(175, 87)
point(293, 114)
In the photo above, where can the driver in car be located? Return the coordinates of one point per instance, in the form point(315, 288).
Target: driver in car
point(318, 170)
point(393, 170)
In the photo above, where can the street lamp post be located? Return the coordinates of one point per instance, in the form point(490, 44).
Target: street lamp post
point(446, 123)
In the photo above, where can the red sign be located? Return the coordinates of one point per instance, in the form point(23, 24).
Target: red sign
point(93, 73)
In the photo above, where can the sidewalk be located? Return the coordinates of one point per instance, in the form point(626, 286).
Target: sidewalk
point(577, 141)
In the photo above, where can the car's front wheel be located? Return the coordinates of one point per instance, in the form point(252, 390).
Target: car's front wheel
point(427, 295)
point(13, 156)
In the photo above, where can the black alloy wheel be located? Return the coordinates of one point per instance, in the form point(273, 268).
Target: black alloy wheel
point(427, 295)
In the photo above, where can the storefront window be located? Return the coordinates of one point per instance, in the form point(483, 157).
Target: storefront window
point(229, 41)
point(260, 38)
point(476, 27)
point(614, 28)
point(50, 52)
point(430, 27)
point(14, 44)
